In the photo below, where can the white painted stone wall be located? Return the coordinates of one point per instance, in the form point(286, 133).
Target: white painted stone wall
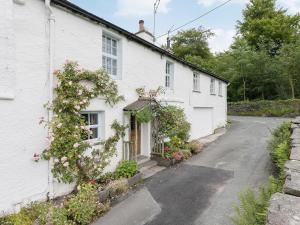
point(79, 39)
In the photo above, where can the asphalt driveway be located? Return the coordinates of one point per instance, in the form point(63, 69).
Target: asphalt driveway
point(201, 191)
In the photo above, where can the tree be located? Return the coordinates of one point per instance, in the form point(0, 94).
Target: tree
point(266, 27)
point(192, 45)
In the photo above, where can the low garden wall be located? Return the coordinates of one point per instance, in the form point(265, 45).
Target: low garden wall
point(284, 208)
point(282, 108)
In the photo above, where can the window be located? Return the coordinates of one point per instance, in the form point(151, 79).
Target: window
point(110, 55)
point(94, 122)
point(212, 86)
point(169, 80)
point(220, 88)
point(196, 82)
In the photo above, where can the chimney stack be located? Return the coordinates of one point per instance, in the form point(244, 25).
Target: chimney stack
point(141, 26)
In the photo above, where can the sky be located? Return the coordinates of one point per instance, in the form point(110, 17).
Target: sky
point(127, 13)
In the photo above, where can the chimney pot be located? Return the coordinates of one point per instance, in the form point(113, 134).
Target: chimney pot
point(141, 25)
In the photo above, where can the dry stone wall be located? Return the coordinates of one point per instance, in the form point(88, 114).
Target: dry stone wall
point(284, 207)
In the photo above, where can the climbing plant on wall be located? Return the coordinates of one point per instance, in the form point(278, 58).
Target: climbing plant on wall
point(67, 130)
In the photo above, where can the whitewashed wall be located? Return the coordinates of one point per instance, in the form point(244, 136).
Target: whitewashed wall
point(76, 38)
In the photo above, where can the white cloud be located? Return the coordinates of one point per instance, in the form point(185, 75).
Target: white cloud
point(140, 7)
point(208, 3)
point(293, 6)
point(222, 40)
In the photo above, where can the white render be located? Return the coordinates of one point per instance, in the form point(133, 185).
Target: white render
point(24, 89)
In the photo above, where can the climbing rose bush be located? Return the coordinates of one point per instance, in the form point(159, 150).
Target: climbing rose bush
point(66, 143)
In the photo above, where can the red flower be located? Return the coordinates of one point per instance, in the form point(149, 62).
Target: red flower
point(167, 149)
point(178, 156)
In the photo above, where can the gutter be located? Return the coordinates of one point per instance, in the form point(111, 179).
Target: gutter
point(50, 23)
point(77, 10)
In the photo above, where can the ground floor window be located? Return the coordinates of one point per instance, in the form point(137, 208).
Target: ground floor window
point(95, 123)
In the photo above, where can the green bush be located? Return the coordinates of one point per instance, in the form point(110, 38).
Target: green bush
point(82, 207)
point(286, 108)
point(253, 209)
point(279, 147)
point(126, 169)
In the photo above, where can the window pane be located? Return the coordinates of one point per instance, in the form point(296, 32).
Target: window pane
point(114, 51)
point(108, 65)
point(94, 133)
point(114, 67)
point(108, 45)
point(114, 43)
point(104, 62)
point(103, 44)
point(86, 118)
point(93, 119)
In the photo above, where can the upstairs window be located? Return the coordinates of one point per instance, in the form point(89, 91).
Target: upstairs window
point(212, 86)
point(94, 123)
point(110, 55)
point(220, 88)
point(196, 82)
point(169, 77)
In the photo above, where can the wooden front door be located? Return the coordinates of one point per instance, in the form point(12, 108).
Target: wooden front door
point(135, 136)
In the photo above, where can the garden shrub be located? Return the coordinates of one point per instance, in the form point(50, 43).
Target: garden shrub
point(186, 154)
point(195, 146)
point(279, 147)
point(83, 206)
point(277, 108)
point(118, 187)
point(253, 209)
point(60, 216)
point(126, 169)
point(173, 122)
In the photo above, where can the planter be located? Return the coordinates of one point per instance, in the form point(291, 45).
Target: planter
point(135, 179)
point(164, 162)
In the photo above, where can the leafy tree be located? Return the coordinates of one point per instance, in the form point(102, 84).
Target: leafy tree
point(265, 26)
point(192, 45)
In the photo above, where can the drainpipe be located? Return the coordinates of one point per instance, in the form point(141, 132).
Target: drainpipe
point(50, 23)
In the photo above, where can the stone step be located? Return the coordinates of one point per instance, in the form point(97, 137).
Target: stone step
point(152, 171)
point(147, 164)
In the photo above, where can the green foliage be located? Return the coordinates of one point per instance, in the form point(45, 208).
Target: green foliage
point(173, 122)
point(60, 216)
point(279, 147)
point(286, 108)
point(145, 115)
point(176, 143)
point(264, 26)
point(82, 207)
point(192, 42)
point(126, 169)
point(67, 128)
point(252, 209)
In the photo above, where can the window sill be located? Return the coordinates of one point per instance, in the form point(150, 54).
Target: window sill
point(213, 94)
point(196, 91)
point(220, 95)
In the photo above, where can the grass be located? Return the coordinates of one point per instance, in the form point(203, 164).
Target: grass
point(252, 209)
point(276, 108)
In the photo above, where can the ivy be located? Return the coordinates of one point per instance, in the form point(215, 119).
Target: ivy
point(67, 130)
point(145, 115)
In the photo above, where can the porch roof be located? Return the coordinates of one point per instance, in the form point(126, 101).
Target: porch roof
point(139, 104)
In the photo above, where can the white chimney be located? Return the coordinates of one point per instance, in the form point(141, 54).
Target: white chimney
point(144, 33)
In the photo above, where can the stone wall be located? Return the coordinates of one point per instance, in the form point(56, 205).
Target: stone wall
point(284, 207)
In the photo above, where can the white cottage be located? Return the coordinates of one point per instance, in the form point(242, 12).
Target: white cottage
point(36, 38)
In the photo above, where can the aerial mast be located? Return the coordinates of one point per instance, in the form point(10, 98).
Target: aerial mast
point(155, 7)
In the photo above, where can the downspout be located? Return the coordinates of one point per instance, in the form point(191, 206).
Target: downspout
point(50, 23)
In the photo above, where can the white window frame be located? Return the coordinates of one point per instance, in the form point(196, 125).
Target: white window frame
point(169, 75)
point(196, 82)
point(108, 56)
point(100, 124)
point(212, 86)
point(220, 89)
